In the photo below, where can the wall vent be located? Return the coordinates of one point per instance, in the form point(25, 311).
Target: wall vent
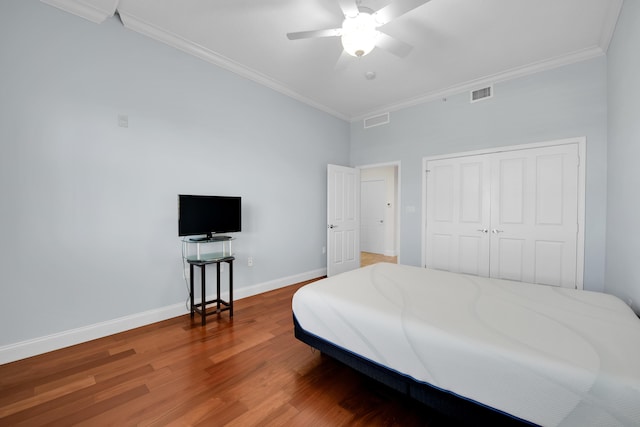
point(380, 119)
point(482, 94)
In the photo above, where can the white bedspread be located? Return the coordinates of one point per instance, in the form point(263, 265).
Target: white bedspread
point(555, 357)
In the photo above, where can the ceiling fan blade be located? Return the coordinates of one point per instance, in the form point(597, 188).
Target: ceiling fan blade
point(393, 45)
point(395, 9)
point(349, 8)
point(333, 32)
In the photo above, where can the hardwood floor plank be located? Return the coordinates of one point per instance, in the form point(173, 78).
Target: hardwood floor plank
point(26, 404)
point(98, 413)
point(57, 407)
point(238, 346)
point(38, 369)
point(187, 414)
point(264, 408)
point(162, 403)
point(282, 416)
point(224, 416)
point(124, 382)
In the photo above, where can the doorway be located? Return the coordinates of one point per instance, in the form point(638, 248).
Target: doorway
point(379, 213)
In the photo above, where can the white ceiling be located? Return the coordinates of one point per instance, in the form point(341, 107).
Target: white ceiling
point(458, 45)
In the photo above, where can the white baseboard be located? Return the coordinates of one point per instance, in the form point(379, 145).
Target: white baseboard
point(32, 347)
point(275, 284)
point(21, 350)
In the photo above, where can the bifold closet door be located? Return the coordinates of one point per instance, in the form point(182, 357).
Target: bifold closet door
point(534, 211)
point(510, 215)
point(458, 214)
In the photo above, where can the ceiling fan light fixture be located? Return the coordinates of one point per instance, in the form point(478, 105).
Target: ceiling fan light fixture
point(359, 35)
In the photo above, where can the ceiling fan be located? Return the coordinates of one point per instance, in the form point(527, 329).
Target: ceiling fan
point(359, 31)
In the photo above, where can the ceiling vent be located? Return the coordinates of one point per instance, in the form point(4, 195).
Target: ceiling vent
point(482, 94)
point(380, 119)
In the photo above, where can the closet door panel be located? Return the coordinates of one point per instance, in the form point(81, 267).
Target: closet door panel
point(511, 253)
point(472, 184)
point(534, 199)
point(512, 222)
point(550, 190)
point(549, 260)
point(441, 251)
point(470, 254)
point(509, 202)
point(443, 197)
point(458, 201)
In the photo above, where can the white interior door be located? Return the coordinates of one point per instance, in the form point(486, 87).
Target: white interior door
point(458, 215)
point(372, 217)
point(343, 219)
point(534, 227)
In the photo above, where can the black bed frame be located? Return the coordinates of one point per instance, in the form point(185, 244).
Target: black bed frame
point(459, 408)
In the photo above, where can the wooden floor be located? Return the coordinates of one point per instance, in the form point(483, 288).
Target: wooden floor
point(249, 371)
point(368, 258)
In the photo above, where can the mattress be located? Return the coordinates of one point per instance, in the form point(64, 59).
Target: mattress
point(551, 356)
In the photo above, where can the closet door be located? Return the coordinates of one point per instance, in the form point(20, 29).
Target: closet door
point(534, 209)
point(457, 214)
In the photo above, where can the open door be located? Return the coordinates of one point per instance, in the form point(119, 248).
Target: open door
point(343, 219)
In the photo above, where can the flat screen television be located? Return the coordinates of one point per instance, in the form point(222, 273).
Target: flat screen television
point(208, 215)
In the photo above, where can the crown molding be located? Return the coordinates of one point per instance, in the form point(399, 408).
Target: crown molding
point(138, 25)
point(93, 10)
point(514, 73)
point(610, 23)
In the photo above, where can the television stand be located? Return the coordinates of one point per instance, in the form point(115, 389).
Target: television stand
point(220, 305)
point(201, 259)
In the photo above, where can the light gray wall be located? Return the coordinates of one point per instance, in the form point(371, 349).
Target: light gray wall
point(623, 201)
point(565, 102)
point(88, 210)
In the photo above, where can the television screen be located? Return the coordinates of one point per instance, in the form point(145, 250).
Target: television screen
point(208, 215)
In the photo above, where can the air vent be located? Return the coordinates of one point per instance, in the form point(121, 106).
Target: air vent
point(482, 94)
point(380, 119)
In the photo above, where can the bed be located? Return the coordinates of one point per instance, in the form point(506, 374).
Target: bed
point(506, 352)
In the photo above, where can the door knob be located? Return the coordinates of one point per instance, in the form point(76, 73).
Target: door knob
point(381, 221)
point(332, 226)
point(495, 231)
point(483, 230)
